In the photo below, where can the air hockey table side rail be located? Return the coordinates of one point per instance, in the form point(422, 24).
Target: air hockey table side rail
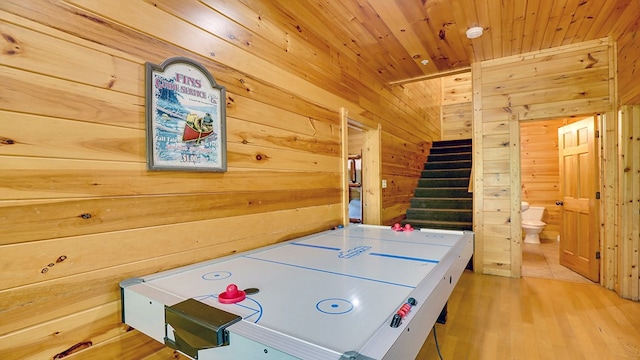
point(224, 335)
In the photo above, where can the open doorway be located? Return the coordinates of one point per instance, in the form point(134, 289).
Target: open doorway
point(541, 181)
point(355, 185)
point(361, 141)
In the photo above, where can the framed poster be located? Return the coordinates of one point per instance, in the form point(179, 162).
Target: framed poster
point(186, 118)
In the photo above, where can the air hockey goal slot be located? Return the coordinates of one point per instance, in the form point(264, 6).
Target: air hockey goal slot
point(192, 326)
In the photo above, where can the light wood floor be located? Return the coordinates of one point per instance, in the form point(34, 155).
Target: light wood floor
point(493, 317)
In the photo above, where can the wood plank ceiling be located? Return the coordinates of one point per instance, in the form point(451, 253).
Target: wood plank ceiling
point(393, 38)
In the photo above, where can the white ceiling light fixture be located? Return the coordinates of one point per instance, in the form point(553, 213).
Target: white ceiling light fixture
point(474, 32)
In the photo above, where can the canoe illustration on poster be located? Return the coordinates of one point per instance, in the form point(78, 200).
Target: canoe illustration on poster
point(185, 118)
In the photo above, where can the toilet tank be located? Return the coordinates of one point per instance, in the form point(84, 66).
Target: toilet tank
point(533, 213)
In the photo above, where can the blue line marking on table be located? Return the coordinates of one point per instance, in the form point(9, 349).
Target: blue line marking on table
point(317, 246)
point(331, 272)
point(405, 258)
point(427, 235)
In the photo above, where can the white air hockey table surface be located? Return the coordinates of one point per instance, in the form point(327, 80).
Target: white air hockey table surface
point(330, 295)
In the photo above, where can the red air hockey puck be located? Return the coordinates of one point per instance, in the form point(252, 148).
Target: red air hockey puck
point(232, 295)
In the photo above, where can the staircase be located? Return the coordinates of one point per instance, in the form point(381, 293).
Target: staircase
point(442, 199)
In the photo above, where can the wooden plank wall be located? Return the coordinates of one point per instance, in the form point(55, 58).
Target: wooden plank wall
point(557, 83)
point(400, 166)
point(80, 212)
point(457, 107)
point(629, 211)
point(627, 35)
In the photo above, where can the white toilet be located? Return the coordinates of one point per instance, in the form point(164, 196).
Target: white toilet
point(532, 224)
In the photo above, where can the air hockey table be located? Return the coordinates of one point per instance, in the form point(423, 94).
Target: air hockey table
point(358, 292)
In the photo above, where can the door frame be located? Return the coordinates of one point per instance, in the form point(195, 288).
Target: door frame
point(371, 169)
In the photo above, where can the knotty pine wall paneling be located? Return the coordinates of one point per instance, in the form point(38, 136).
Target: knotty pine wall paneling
point(457, 107)
point(629, 211)
point(608, 127)
point(456, 121)
point(80, 210)
point(401, 164)
point(557, 83)
point(626, 34)
point(404, 161)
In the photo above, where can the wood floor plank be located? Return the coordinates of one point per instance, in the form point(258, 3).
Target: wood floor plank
point(494, 317)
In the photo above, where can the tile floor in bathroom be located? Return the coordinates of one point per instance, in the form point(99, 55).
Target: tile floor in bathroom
point(541, 261)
